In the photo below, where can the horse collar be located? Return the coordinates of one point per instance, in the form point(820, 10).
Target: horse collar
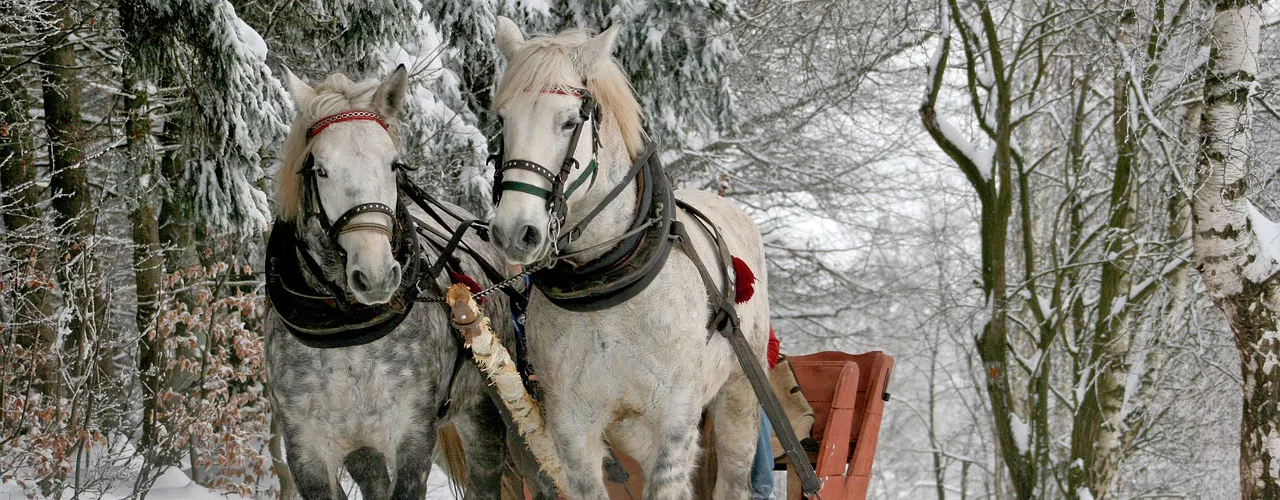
point(325, 317)
point(626, 269)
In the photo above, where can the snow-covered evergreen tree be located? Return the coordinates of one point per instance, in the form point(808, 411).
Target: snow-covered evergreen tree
point(320, 37)
point(678, 53)
point(234, 107)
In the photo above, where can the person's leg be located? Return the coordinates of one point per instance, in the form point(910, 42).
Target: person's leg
point(762, 468)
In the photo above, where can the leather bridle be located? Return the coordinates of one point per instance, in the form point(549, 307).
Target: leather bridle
point(326, 317)
point(311, 191)
point(558, 194)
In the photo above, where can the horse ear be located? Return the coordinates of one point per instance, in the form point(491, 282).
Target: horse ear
point(508, 37)
point(600, 48)
point(389, 98)
point(298, 89)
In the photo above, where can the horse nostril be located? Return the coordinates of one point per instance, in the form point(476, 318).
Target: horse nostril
point(529, 235)
point(394, 275)
point(359, 282)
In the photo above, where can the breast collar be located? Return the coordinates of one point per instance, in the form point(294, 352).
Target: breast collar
point(629, 266)
point(325, 316)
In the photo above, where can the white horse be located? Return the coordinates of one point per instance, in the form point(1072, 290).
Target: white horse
point(639, 373)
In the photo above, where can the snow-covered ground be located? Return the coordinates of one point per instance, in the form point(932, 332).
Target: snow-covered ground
point(175, 485)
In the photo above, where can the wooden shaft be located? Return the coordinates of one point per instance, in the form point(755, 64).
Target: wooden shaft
point(496, 363)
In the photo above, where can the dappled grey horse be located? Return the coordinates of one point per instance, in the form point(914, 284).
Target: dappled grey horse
point(363, 374)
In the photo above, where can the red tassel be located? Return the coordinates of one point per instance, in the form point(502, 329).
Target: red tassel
point(744, 285)
point(466, 280)
point(774, 350)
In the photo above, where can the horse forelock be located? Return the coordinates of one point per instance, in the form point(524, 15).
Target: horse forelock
point(546, 61)
point(337, 94)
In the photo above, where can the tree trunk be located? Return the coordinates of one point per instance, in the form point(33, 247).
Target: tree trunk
point(1236, 270)
point(23, 222)
point(69, 185)
point(1096, 438)
point(148, 260)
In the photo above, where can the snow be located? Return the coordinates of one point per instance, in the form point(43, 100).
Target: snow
point(980, 158)
point(1021, 433)
point(1267, 232)
point(1084, 494)
point(250, 39)
point(173, 484)
point(1086, 378)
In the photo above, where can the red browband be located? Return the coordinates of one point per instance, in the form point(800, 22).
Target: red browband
point(567, 90)
point(345, 116)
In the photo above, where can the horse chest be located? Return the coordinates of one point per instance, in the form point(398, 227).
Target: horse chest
point(644, 348)
point(351, 397)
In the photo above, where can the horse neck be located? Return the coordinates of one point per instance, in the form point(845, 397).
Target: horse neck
point(615, 218)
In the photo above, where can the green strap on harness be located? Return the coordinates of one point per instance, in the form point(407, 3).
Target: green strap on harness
point(592, 169)
point(525, 187)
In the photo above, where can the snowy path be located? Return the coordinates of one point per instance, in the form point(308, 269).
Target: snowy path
point(175, 485)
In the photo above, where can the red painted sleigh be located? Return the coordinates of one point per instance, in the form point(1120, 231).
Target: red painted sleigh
point(848, 393)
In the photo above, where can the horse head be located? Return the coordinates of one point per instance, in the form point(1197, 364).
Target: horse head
point(568, 117)
point(337, 184)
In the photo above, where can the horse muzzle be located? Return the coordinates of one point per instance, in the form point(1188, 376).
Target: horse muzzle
point(521, 242)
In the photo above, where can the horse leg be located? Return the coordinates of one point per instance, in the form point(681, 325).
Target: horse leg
point(315, 476)
point(736, 416)
point(581, 451)
point(482, 433)
point(369, 470)
point(413, 460)
point(671, 476)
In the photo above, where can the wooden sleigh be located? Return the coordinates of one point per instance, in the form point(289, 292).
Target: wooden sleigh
point(847, 393)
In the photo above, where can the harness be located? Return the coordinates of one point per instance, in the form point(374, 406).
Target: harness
point(638, 254)
point(318, 311)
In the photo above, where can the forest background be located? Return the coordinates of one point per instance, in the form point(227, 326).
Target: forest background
point(1017, 199)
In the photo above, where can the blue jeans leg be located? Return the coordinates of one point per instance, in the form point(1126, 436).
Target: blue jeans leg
point(762, 468)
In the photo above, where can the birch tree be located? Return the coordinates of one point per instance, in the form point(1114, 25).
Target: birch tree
point(1235, 245)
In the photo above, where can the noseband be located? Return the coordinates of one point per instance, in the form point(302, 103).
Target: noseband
point(558, 195)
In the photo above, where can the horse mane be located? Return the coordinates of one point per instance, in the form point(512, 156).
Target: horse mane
point(543, 62)
point(337, 94)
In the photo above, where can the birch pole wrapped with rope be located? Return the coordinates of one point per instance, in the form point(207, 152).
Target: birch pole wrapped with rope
point(496, 363)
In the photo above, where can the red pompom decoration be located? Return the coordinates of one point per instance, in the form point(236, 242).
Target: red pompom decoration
point(466, 280)
point(774, 351)
point(744, 285)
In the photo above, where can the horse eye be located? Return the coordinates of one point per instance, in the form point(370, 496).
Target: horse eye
point(320, 171)
point(569, 125)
